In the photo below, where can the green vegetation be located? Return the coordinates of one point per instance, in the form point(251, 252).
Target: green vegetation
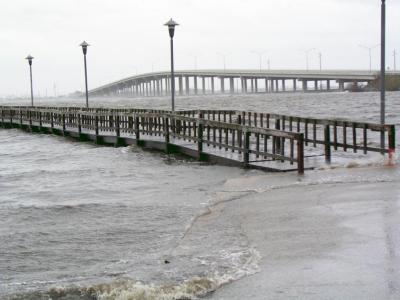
point(392, 83)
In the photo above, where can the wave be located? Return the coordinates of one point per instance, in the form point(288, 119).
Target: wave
point(127, 289)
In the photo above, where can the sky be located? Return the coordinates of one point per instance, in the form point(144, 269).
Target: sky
point(128, 37)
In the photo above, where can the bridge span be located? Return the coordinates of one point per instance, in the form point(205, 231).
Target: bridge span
point(234, 81)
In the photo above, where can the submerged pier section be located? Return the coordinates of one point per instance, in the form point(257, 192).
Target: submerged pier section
point(269, 142)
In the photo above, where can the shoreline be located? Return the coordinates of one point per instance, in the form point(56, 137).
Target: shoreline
point(327, 241)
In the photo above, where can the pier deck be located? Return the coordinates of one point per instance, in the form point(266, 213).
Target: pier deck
point(269, 142)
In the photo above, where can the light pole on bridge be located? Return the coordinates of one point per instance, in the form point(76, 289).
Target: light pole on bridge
point(30, 58)
point(84, 46)
point(370, 54)
point(307, 57)
point(223, 57)
point(260, 57)
point(171, 29)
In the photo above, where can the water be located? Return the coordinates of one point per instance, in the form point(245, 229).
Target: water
point(78, 221)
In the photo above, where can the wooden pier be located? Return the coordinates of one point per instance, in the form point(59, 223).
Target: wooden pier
point(265, 141)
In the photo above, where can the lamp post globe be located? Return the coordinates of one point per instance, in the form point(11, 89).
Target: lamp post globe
point(171, 27)
point(30, 58)
point(84, 46)
point(171, 24)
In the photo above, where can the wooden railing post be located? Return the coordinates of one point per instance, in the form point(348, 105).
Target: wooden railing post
point(392, 142)
point(327, 143)
point(200, 129)
point(20, 118)
point(246, 150)
point(239, 132)
point(137, 129)
point(130, 122)
point(40, 120)
point(300, 154)
point(166, 130)
point(2, 117)
point(278, 139)
point(11, 118)
point(117, 126)
point(96, 126)
point(79, 124)
point(63, 123)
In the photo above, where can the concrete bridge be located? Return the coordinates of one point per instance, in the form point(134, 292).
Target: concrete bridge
point(234, 81)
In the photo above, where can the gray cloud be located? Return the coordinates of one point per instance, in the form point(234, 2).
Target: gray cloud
point(128, 35)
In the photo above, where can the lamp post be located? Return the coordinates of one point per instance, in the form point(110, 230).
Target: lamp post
point(195, 60)
point(307, 57)
point(370, 54)
point(383, 62)
point(84, 46)
point(260, 57)
point(171, 29)
point(320, 61)
point(30, 58)
point(224, 58)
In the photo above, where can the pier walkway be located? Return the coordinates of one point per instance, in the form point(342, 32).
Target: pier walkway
point(269, 142)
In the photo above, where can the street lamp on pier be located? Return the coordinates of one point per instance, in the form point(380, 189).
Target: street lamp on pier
point(383, 66)
point(84, 46)
point(30, 58)
point(171, 29)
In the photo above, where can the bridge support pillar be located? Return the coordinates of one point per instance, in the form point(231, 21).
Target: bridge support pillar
point(180, 80)
point(187, 88)
point(232, 85)
point(316, 85)
point(222, 85)
point(212, 85)
point(252, 84)
point(341, 85)
point(168, 85)
point(256, 84)
point(195, 85)
point(266, 85)
point(328, 85)
point(305, 88)
point(277, 85)
point(283, 85)
point(136, 89)
point(272, 86)
point(294, 85)
point(161, 87)
point(203, 84)
point(158, 87)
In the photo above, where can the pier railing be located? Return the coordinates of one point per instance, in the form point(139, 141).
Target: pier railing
point(191, 130)
point(331, 134)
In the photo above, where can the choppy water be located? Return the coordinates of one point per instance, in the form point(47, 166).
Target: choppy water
point(79, 221)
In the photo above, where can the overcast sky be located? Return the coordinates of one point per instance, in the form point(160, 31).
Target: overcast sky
point(128, 36)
